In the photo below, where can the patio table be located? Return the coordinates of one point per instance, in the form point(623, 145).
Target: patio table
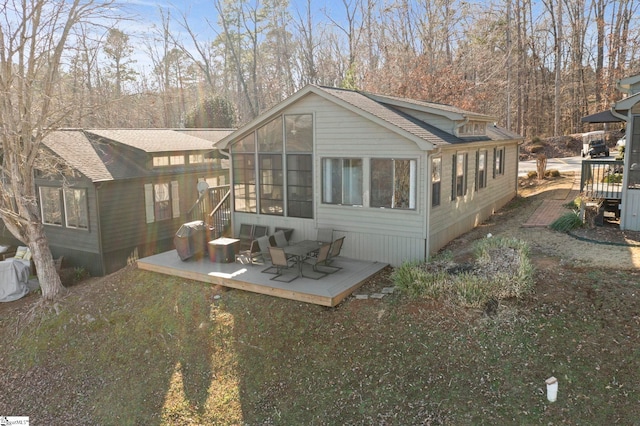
point(301, 250)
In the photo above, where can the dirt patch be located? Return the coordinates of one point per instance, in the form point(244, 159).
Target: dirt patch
point(602, 246)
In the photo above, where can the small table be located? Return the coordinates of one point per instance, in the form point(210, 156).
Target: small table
point(223, 250)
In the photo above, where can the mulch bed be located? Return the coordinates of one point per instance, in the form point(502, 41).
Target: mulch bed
point(609, 233)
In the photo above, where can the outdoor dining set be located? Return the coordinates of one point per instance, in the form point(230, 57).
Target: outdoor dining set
point(287, 260)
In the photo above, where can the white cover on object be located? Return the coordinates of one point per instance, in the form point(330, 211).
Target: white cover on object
point(14, 275)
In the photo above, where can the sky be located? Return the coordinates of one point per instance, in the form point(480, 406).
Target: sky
point(142, 18)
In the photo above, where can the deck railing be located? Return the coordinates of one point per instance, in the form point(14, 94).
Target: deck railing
point(602, 179)
point(214, 208)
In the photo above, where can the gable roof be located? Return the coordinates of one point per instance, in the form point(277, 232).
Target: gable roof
point(384, 110)
point(110, 154)
point(77, 151)
point(154, 140)
point(449, 111)
point(212, 135)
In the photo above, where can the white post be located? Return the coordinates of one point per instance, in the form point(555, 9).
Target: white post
point(552, 388)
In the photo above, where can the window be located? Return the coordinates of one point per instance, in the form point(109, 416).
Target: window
point(160, 161)
point(271, 184)
point(168, 160)
point(270, 136)
point(162, 201)
point(244, 174)
point(481, 169)
point(176, 160)
point(436, 176)
point(342, 181)
point(459, 184)
point(270, 146)
point(68, 207)
point(300, 185)
point(393, 183)
point(75, 208)
point(290, 138)
point(299, 133)
point(196, 158)
point(498, 162)
point(474, 128)
point(244, 182)
point(51, 205)
point(299, 148)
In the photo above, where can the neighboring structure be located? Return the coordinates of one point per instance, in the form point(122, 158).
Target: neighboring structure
point(125, 194)
point(628, 109)
point(399, 178)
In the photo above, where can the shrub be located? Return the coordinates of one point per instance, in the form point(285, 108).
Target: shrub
point(502, 270)
point(536, 148)
point(613, 178)
point(552, 173)
point(567, 222)
point(532, 174)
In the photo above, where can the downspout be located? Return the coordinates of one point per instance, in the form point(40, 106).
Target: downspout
point(428, 200)
point(97, 188)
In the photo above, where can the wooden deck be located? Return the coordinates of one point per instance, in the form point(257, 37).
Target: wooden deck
point(327, 291)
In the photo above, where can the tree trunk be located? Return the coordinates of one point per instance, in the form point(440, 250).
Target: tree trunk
point(48, 276)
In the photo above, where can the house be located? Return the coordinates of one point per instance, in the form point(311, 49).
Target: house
point(628, 109)
point(398, 178)
point(125, 192)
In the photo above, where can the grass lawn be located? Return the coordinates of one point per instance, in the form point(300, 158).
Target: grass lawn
point(142, 348)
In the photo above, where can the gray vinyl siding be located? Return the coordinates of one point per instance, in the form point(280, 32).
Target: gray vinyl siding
point(389, 235)
point(455, 217)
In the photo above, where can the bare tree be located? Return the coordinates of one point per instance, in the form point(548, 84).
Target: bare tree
point(33, 37)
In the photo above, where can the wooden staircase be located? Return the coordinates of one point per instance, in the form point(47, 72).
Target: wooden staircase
point(214, 208)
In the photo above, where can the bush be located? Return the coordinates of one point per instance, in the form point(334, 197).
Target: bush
point(536, 148)
point(502, 270)
point(552, 173)
point(613, 178)
point(532, 174)
point(567, 222)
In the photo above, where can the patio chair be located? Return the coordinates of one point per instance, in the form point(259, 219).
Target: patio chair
point(325, 235)
point(261, 256)
point(318, 262)
point(280, 239)
point(259, 231)
point(245, 236)
point(336, 247)
point(248, 237)
point(280, 261)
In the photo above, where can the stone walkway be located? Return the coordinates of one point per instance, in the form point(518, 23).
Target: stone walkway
point(553, 207)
